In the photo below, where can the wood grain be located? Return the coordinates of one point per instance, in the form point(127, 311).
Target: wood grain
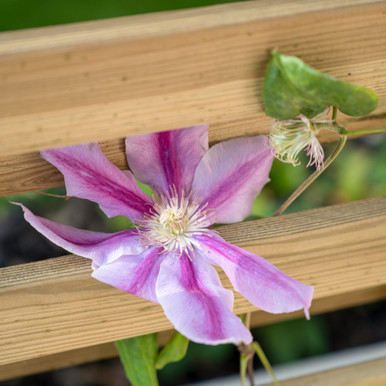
point(56, 306)
point(371, 373)
point(162, 23)
point(28, 172)
point(108, 350)
point(66, 359)
point(103, 80)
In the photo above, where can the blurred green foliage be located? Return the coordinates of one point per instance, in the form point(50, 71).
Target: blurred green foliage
point(358, 173)
point(293, 339)
point(205, 358)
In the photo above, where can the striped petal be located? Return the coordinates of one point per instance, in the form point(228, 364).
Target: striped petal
point(169, 158)
point(191, 294)
point(89, 174)
point(100, 247)
point(255, 278)
point(136, 275)
point(230, 176)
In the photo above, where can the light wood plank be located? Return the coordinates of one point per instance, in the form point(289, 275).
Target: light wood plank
point(108, 350)
point(28, 172)
point(162, 23)
point(56, 306)
point(372, 373)
point(66, 359)
point(98, 81)
point(57, 361)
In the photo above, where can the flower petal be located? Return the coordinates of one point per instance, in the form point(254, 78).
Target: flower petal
point(100, 247)
point(231, 174)
point(259, 281)
point(169, 158)
point(89, 174)
point(193, 299)
point(136, 275)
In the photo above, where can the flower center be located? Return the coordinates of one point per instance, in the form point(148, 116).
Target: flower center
point(174, 221)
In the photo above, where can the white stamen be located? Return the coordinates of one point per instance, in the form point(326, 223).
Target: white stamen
point(173, 222)
point(289, 138)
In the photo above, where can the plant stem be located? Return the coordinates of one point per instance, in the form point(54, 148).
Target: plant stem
point(243, 367)
point(312, 177)
point(334, 112)
point(251, 373)
point(340, 130)
point(342, 141)
point(53, 195)
point(250, 359)
point(247, 322)
point(246, 354)
point(265, 363)
point(366, 131)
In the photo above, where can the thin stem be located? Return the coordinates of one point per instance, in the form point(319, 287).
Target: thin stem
point(340, 130)
point(246, 354)
point(343, 131)
point(243, 368)
point(247, 322)
point(334, 112)
point(53, 195)
point(312, 177)
point(265, 362)
point(366, 131)
point(251, 373)
point(250, 359)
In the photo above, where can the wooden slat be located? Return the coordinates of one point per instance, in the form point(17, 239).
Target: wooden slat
point(56, 306)
point(219, 63)
point(156, 24)
point(372, 373)
point(102, 80)
point(57, 361)
point(108, 350)
point(29, 172)
point(66, 359)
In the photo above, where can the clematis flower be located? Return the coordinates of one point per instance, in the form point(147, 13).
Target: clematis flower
point(289, 138)
point(168, 258)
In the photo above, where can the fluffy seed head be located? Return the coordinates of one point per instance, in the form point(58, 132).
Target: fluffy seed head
point(289, 138)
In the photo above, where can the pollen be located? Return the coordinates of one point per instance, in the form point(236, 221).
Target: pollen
point(173, 222)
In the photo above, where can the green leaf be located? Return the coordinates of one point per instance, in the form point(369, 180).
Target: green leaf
point(291, 87)
point(138, 356)
point(173, 351)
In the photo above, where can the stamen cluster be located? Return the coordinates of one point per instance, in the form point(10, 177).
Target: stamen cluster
point(173, 221)
point(289, 138)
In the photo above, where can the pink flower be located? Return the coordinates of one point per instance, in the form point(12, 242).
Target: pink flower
point(168, 259)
